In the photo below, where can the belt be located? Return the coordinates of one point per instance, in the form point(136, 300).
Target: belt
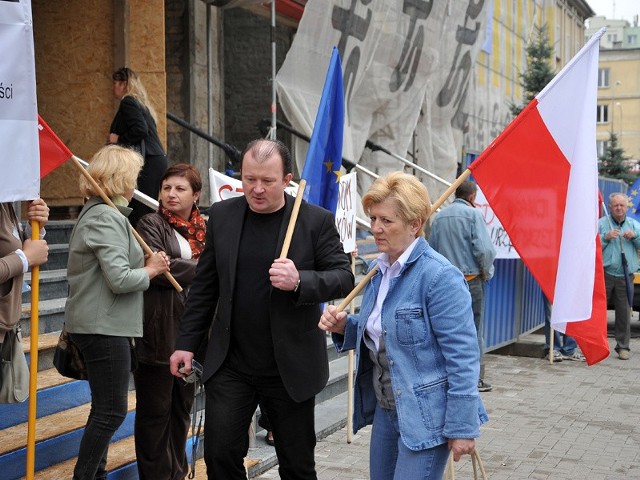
point(471, 277)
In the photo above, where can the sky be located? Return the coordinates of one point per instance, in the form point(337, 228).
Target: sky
point(624, 9)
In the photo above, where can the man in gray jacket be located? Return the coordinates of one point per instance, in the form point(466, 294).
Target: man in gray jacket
point(459, 232)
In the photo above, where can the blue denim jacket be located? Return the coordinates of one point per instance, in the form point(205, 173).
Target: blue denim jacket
point(432, 350)
point(460, 233)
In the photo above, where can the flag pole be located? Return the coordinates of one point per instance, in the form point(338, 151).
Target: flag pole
point(33, 364)
point(350, 371)
point(108, 201)
point(293, 219)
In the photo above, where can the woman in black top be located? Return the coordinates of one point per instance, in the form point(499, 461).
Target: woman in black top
point(134, 126)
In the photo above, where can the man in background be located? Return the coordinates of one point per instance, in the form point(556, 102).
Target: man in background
point(459, 233)
point(619, 235)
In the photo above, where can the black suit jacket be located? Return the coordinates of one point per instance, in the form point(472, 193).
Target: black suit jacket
point(325, 274)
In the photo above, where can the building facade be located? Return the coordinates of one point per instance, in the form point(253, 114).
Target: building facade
point(619, 101)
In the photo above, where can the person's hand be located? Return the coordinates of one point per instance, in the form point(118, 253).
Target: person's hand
point(629, 234)
point(612, 234)
point(332, 321)
point(156, 264)
point(38, 210)
point(180, 359)
point(284, 275)
point(112, 138)
point(36, 251)
point(461, 446)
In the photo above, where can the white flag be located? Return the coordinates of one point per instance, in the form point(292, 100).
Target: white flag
point(20, 179)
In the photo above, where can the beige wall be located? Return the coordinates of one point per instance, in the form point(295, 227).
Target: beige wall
point(623, 99)
point(78, 44)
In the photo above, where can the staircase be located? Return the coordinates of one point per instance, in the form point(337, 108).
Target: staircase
point(63, 404)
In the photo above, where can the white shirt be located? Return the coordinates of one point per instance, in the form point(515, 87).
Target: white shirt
point(373, 328)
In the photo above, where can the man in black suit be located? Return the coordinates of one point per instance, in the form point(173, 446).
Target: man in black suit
point(264, 341)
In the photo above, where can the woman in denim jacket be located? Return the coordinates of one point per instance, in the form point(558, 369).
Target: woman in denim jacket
point(415, 341)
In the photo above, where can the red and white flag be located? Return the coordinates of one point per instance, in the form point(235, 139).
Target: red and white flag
point(540, 177)
point(53, 152)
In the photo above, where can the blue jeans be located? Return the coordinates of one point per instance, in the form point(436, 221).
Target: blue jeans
point(562, 342)
point(390, 459)
point(108, 361)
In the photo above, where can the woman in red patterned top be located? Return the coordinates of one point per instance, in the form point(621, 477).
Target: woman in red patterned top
point(163, 402)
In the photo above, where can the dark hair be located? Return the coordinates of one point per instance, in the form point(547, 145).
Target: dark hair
point(123, 74)
point(465, 189)
point(187, 171)
point(263, 149)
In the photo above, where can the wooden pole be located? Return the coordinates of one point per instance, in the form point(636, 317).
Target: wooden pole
point(108, 201)
point(452, 188)
point(293, 219)
point(350, 369)
point(33, 366)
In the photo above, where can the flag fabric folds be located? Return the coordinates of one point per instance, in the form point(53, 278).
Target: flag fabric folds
point(540, 177)
point(324, 157)
point(53, 152)
point(634, 200)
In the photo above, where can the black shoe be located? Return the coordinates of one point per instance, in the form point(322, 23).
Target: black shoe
point(484, 386)
point(269, 438)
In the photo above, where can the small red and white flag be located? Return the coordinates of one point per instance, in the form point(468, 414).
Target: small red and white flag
point(540, 177)
point(53, 152)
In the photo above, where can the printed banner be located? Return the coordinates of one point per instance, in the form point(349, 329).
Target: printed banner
point(346, 211)
point(402, 61)
point(499, 236)
point(20, 178)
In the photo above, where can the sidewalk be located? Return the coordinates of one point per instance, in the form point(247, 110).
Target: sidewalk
point(563, 421)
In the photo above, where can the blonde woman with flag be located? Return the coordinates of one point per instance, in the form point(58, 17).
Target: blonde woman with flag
point(107, 273)
point(417, 355)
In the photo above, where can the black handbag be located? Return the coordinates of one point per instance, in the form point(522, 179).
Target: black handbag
point(68, 358)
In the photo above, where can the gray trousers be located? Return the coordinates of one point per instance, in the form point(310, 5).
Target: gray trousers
point(617, 296)
point(476, 289)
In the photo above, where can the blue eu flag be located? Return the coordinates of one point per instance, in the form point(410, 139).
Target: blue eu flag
point(324, 157)
point(634, 200)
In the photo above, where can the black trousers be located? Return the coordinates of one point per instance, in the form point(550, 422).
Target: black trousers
point(163, 406)
point(231, 400)
point(108, 362)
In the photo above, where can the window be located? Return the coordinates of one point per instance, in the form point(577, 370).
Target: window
point(632, 39)
point(612, 37)
point(601, 145)
point(602, 114)
point(603, 77)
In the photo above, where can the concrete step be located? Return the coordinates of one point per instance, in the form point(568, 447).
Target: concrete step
point(58, 439)
point(53, 284)
point(59, 231)
point(58, 256)
point(51, 316)
point(46, 347)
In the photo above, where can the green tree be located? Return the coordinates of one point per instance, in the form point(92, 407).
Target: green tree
point(613, 163)
point(539, 72)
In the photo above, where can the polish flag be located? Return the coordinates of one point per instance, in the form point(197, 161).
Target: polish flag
point(540, 177)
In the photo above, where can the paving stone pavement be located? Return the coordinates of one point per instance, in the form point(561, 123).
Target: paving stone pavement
point(565, 421)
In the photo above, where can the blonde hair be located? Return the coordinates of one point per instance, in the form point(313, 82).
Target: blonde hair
point(134, 88)
point(410, 194)
point(115, 169)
